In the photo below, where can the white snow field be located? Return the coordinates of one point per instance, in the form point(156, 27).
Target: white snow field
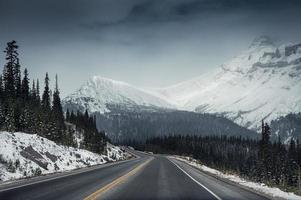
point(263, 82)
point(260, 187)
point(25, 155)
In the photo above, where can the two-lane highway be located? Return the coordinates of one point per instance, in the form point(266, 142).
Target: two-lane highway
point(146, 177)
point(166, 178)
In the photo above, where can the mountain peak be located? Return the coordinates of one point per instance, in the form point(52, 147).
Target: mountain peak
point(263, 40)
point(100, 80)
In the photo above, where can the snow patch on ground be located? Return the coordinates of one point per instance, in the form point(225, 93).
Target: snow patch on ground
point(260, 187)
point(25, 155)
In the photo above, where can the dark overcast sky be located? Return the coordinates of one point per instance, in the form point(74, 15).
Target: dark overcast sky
point(144, 42)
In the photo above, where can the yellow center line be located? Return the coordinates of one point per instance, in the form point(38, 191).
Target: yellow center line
point(116, 182)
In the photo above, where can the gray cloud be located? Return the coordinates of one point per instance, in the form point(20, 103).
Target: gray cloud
point(137, 40)
point(149, 11)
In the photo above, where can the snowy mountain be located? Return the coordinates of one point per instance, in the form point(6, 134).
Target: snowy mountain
point(98, 93)
point(263, 82)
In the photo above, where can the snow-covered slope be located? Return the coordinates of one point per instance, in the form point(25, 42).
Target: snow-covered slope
point(272, 192)
point(264, 82)
point(98, 92)
point(23, 155)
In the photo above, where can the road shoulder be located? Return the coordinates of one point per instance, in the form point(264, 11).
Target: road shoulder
point(227, 181)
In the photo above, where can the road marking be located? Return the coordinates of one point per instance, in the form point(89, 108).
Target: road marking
point(116, 182)
point(69, 173)
point(217, 197)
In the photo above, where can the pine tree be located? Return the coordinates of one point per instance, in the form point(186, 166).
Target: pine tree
point(33, 92)
point(56, 104)
point(38, 98)
point(72, 117)
point(17, 77)
point(9, 68)
point(67, 115)
point(266, 133)
point(86, 115)
point(25, 85)
point(57, 112)
point(46, 95)
point(292, 163)
point(264, 161)
point(1, 89)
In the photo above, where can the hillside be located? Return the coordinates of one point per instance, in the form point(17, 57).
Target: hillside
point(25, 155)
point(123, 126)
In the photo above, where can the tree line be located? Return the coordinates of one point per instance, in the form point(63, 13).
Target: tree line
point(291, 123)
point(141, 125)
point(93, 139)
point(273, 163)
point(23, 109)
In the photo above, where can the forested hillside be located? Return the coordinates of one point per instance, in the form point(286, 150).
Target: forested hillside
point(287, 127)
point(127, 125)
point(24, 109)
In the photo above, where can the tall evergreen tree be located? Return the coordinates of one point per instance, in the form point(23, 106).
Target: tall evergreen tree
point(17, 77)
point(33, 92)
point(25, 85)
point(57, 114)
point(56, 103)
point(67, 115)
point(1, 88)
point(9, 68)
point(72, 117)
point(38, 92)
point(46, 94)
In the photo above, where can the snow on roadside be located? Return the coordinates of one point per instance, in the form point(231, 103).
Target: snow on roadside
point(24, 155)
point(260, 187)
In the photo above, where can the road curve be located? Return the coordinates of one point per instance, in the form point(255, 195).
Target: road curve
point(165, 178)
point(146, 177)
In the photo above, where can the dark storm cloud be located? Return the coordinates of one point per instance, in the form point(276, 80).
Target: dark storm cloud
point(148, 11)
point(35, 16)
point(148, 19)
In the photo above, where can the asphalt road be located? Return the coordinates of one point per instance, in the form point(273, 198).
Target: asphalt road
point(146, 177)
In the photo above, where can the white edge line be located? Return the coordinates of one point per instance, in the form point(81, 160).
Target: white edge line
point(217, 197)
